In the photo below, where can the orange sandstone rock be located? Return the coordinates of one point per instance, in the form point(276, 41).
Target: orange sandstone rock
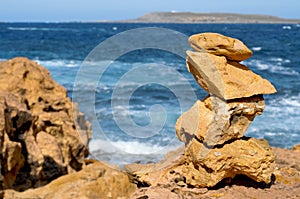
point(217, 44)
point(215, 121)
point(227, 80)
point(40, 124)
point(96, 180)
point(199, 166)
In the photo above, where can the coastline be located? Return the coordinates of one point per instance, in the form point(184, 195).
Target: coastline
point(206, 18)
point(191, 18)
point(94, 179)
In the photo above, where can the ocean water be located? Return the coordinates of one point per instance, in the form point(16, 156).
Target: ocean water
point(134, 103)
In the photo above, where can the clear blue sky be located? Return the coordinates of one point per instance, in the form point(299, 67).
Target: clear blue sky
point(90, 10)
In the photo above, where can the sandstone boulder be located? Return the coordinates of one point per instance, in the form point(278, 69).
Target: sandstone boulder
point(251, 157)
point(43, 124)
point(165, 172)
point(215, 121)
point(217, 44)
point(96, 180)
point(199, 166)
point(227, 80)
point(287, 175)
point(296, 148)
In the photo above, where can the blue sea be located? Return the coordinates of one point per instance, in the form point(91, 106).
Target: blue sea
point(134, 97)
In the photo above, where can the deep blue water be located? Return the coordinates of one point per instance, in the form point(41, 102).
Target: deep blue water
point(62, 47)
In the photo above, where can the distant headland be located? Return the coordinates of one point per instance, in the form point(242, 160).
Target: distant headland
point(189, 17)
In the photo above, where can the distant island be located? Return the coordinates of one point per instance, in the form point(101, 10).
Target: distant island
point(189, 17)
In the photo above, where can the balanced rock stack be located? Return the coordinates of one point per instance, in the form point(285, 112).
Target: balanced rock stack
point(223, 117)
point(213, 129)
point(235, 91)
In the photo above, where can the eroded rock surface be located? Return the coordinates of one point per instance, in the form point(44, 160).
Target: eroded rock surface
point(200, 166)
point(217, 44)
point(39, 139)
point(296, 148)
point(249, 156)
point(13, 116)
point(286, 185)
point(96, 180)
point(215, 121)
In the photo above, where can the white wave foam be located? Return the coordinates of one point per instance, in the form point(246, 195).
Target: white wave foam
point(288, 105)
point(21, 28)
point(274, 68)
point(103, 151)
point(256, 48)
point(37, 29)
point(59, 63)
point(129, 147)
point(282, 118)
point(276, 59)
point(279, 60)
point(293, 101)
point(55, 63)
point(287, 27)
point(261, 66)
point(270, 133)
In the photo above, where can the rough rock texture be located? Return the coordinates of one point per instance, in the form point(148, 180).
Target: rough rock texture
point(96, 180)
point(13, 115)
point(200, 166)
point(39, 141)
point(249, 157)
point(296, 147)
point(285, 185)
point(227, 80)
point(217, 44)
point(165, 172)
point(215, 121)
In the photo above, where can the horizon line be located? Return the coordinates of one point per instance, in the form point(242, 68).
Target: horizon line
point(133, 20)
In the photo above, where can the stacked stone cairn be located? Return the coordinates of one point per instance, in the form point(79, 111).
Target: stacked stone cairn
point(213, 129)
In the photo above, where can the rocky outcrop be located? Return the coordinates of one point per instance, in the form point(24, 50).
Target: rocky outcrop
point(96, 180)
point(43, 135)
point(99, 180)
point(213, 129)
point(11, 157)
point(286, 173)
point(13, 115)
point(217, 44)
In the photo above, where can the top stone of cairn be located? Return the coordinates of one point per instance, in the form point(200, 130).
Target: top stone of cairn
point(220, 45)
